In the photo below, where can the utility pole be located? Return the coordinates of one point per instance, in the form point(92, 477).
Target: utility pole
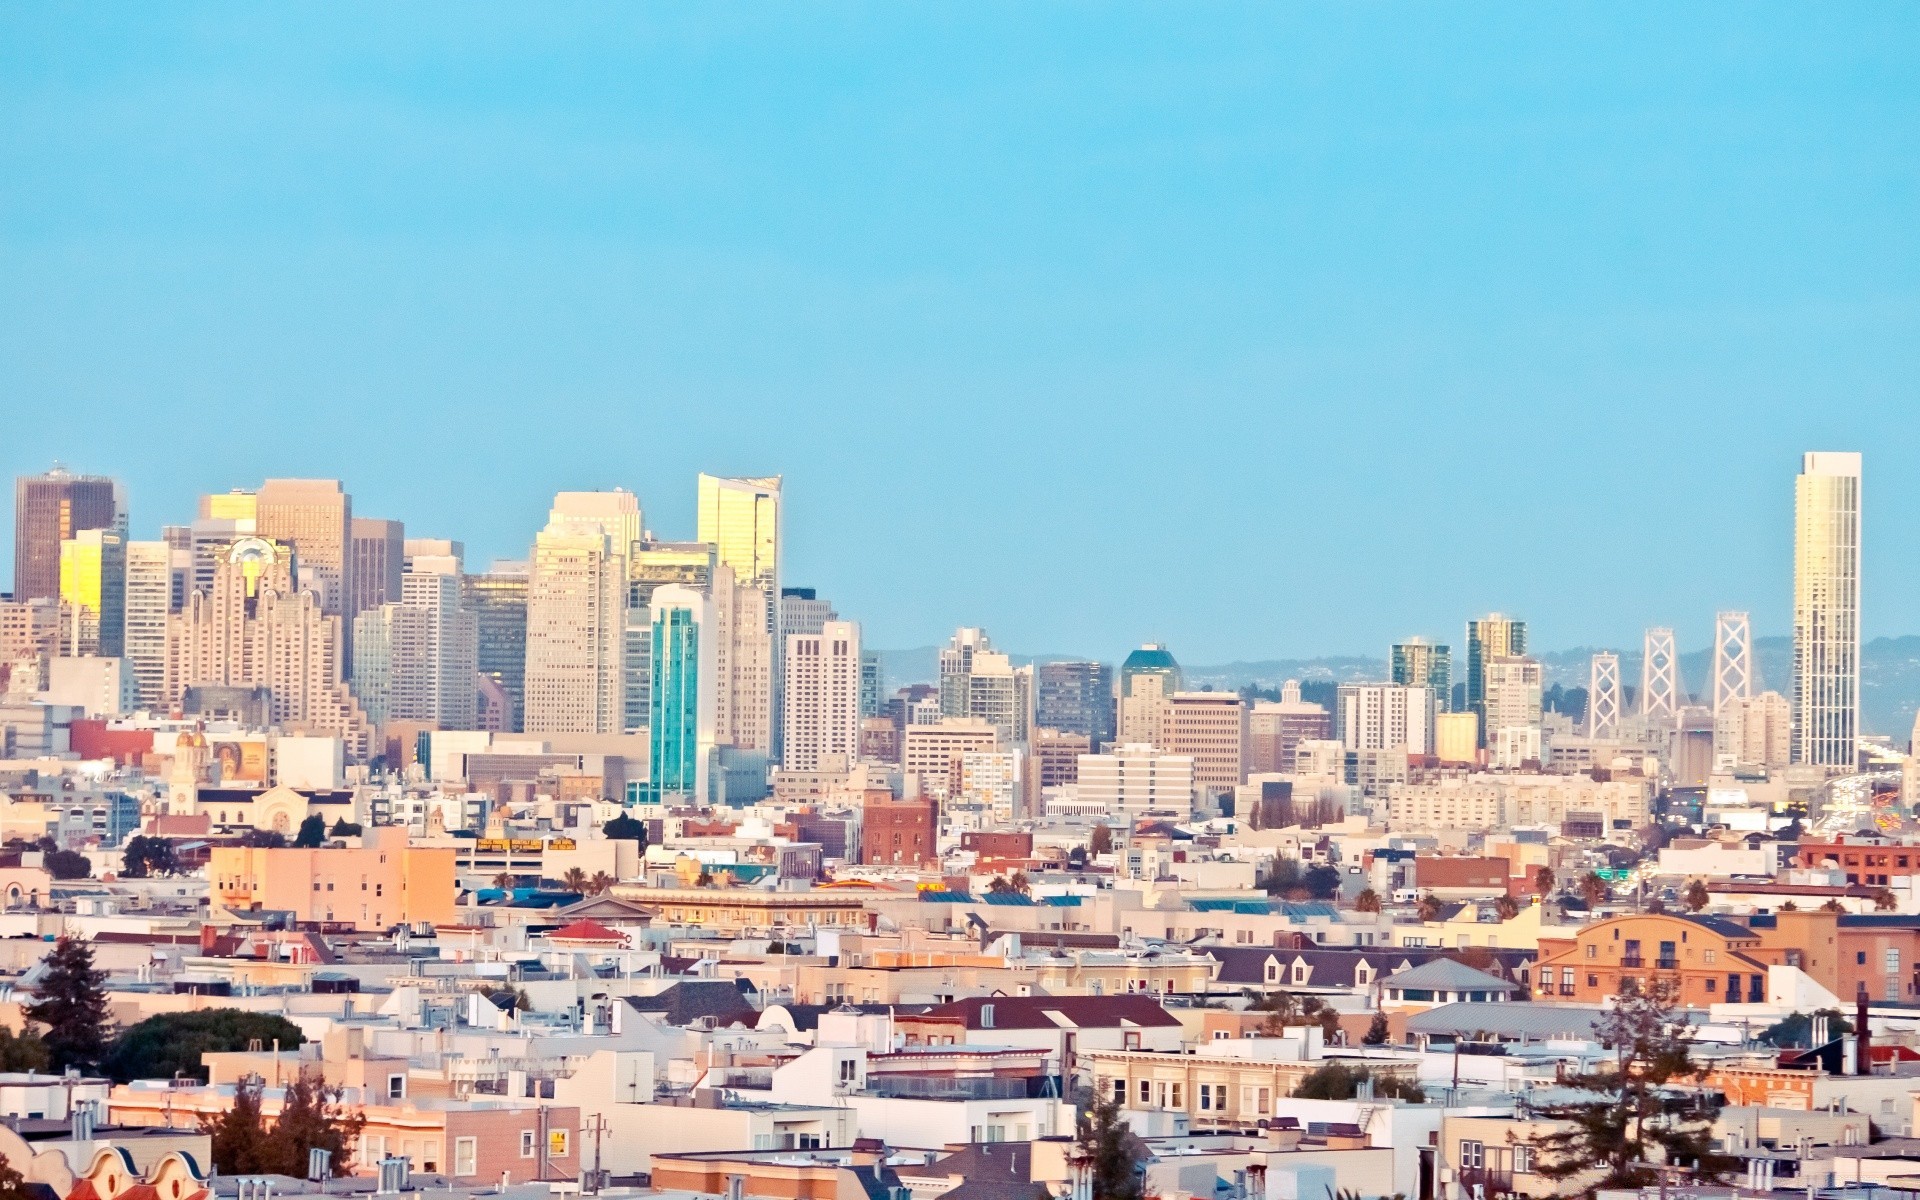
point(597, 1126)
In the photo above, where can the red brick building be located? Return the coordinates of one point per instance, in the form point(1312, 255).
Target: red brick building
point(896, 832)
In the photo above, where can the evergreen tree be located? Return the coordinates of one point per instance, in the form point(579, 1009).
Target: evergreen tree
point(170, 1043)
point(145, 857)
point(1100, 841)
point(313, 1118)
point(342, 828)
point(12, 1185)
point(1377, 1032)
point(71, 1003)
point(1337, 1081)
point(1697, 897)
point(625, 828)
point(238, 1138)
point(1607, 1140)
point(65, 864)
point(313, 833)
point(1110, 1147)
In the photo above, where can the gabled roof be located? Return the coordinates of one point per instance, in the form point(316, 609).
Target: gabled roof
point(607, 907)
point(1340, 967)
point(1058, 1012)
point(1447, 975)
point(587, 931)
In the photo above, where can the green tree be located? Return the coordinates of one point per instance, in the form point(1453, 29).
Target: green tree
point(625, 828)
point(600, 882)
point(161, 1046)
point(1377, 1033)
point(1797, 1029)
point(1697, 897)
point(1543, 881)
point(1337, 1081)
point(1321, 881)
point(65, 864)
point(344, 828)
point(1608, 1140)
point(313, 833)
point(1429, 907)
point(1284, 877)
point(1101, 841)
point(264, 839)
point(23, 1052)
point(1021, 883)
point(1507, 907)
point(145, 857)
point(1110, 1147)
point(312, 1117)
point(575, 879)
point(998, 886)
point(71, 1003)
point(238, 1137)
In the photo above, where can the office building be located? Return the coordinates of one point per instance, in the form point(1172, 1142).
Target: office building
point(315, 518)
point(740, 519)
point(1211, 729)
point(1075, 697)
point(979, 682)
point(1754, 731)
point(1055, 757)
point(654, 564)
point(29, 631)
point(1276, 727)
point(416, 658)
point(822, 709)
point(802, 611)
point(1132, 780)
point(48, 510)
point(1385, 716)
point(1826, 609)
point(1456, 738)
point(576, 615)
point(873, 685)
point(498, 600)
point(253, 630)
point(379, 551)
point(681, 731)
point(931, 754)
point(1148, 677)
point(746, 658)
point(956, 668)
point(433, 554)
point(1513, 696)
point(1418, 662)
point(93, 594)
point(1492, 636)
point(155, 572)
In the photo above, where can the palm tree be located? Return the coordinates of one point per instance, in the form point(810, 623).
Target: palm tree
point(1594, 890)
point(1885, 900)
point(1543, 880)
point(1832, 906)
point(1368, 901)
point(600, 882)
point(1429, 907)
point(1507, 907)
point(503, 881)
point(1021, 883)
point(575, 879)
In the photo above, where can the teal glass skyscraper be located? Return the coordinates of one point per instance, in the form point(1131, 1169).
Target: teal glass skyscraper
point(681, 725)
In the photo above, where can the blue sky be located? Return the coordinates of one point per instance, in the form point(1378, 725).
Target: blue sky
point(1264, 330)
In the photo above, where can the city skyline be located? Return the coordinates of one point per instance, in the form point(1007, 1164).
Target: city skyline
point(1555, 285)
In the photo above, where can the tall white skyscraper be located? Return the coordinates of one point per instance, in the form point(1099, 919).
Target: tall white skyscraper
point(150, 592)
point(1826, 609)
point(822, 709)
point(415, 659)
point(743, 663)
point(576, 614)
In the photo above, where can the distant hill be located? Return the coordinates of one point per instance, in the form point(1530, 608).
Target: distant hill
point(1890, 673)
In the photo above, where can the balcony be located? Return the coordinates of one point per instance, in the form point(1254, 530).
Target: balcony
point(1632, 960)
point(1667, 964)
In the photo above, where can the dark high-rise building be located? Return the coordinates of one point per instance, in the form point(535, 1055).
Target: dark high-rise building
point(1075, 697)
point(378, 550)
point(47, 510)
point(498, 599)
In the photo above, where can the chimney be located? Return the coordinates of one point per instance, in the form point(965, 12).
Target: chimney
point(1863, 1058)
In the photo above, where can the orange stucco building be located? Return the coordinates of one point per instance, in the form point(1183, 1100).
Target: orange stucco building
point(381, 883)
point(1708, 960)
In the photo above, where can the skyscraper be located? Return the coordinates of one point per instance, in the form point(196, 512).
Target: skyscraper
point(416, 657)
point(1385, 716)
point(1075, 697)
point(681, 730)
point(956, 668)
point(1418, 662)
point(498, 600)
point(1148, 679)
point(93, 593)
point(254, 630)
point(803, 611)
point(48, 510)
point(576, 614)
point(315, 517)
point(1492, 636)
point(152, 571)
point(978, 681)
point(822, 709)
point(379, 551)
point(740, 518)
point(1513, 699)
point(1826, 609)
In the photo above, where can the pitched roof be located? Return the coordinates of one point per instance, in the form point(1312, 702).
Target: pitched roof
point(1516, 1019)
point(585, 930)
point(1058, 1012)
point(1448, 975)
point(687, 1001)
point(1339, 968)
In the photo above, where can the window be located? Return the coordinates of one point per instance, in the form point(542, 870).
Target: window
point(1522, 1160)
point(1146, 1092)
point(526, 1143)
point(1473, 1155)
point(557, 1142)
point(849, 1070)
point(1593, 951)
point(1119, 1091)
point(1206, 1098)
point(464, 1153)
point(1174, 1093)
point(1710, 956)
point(396, 1087)
point(1893, 961)
point(1860, 958)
